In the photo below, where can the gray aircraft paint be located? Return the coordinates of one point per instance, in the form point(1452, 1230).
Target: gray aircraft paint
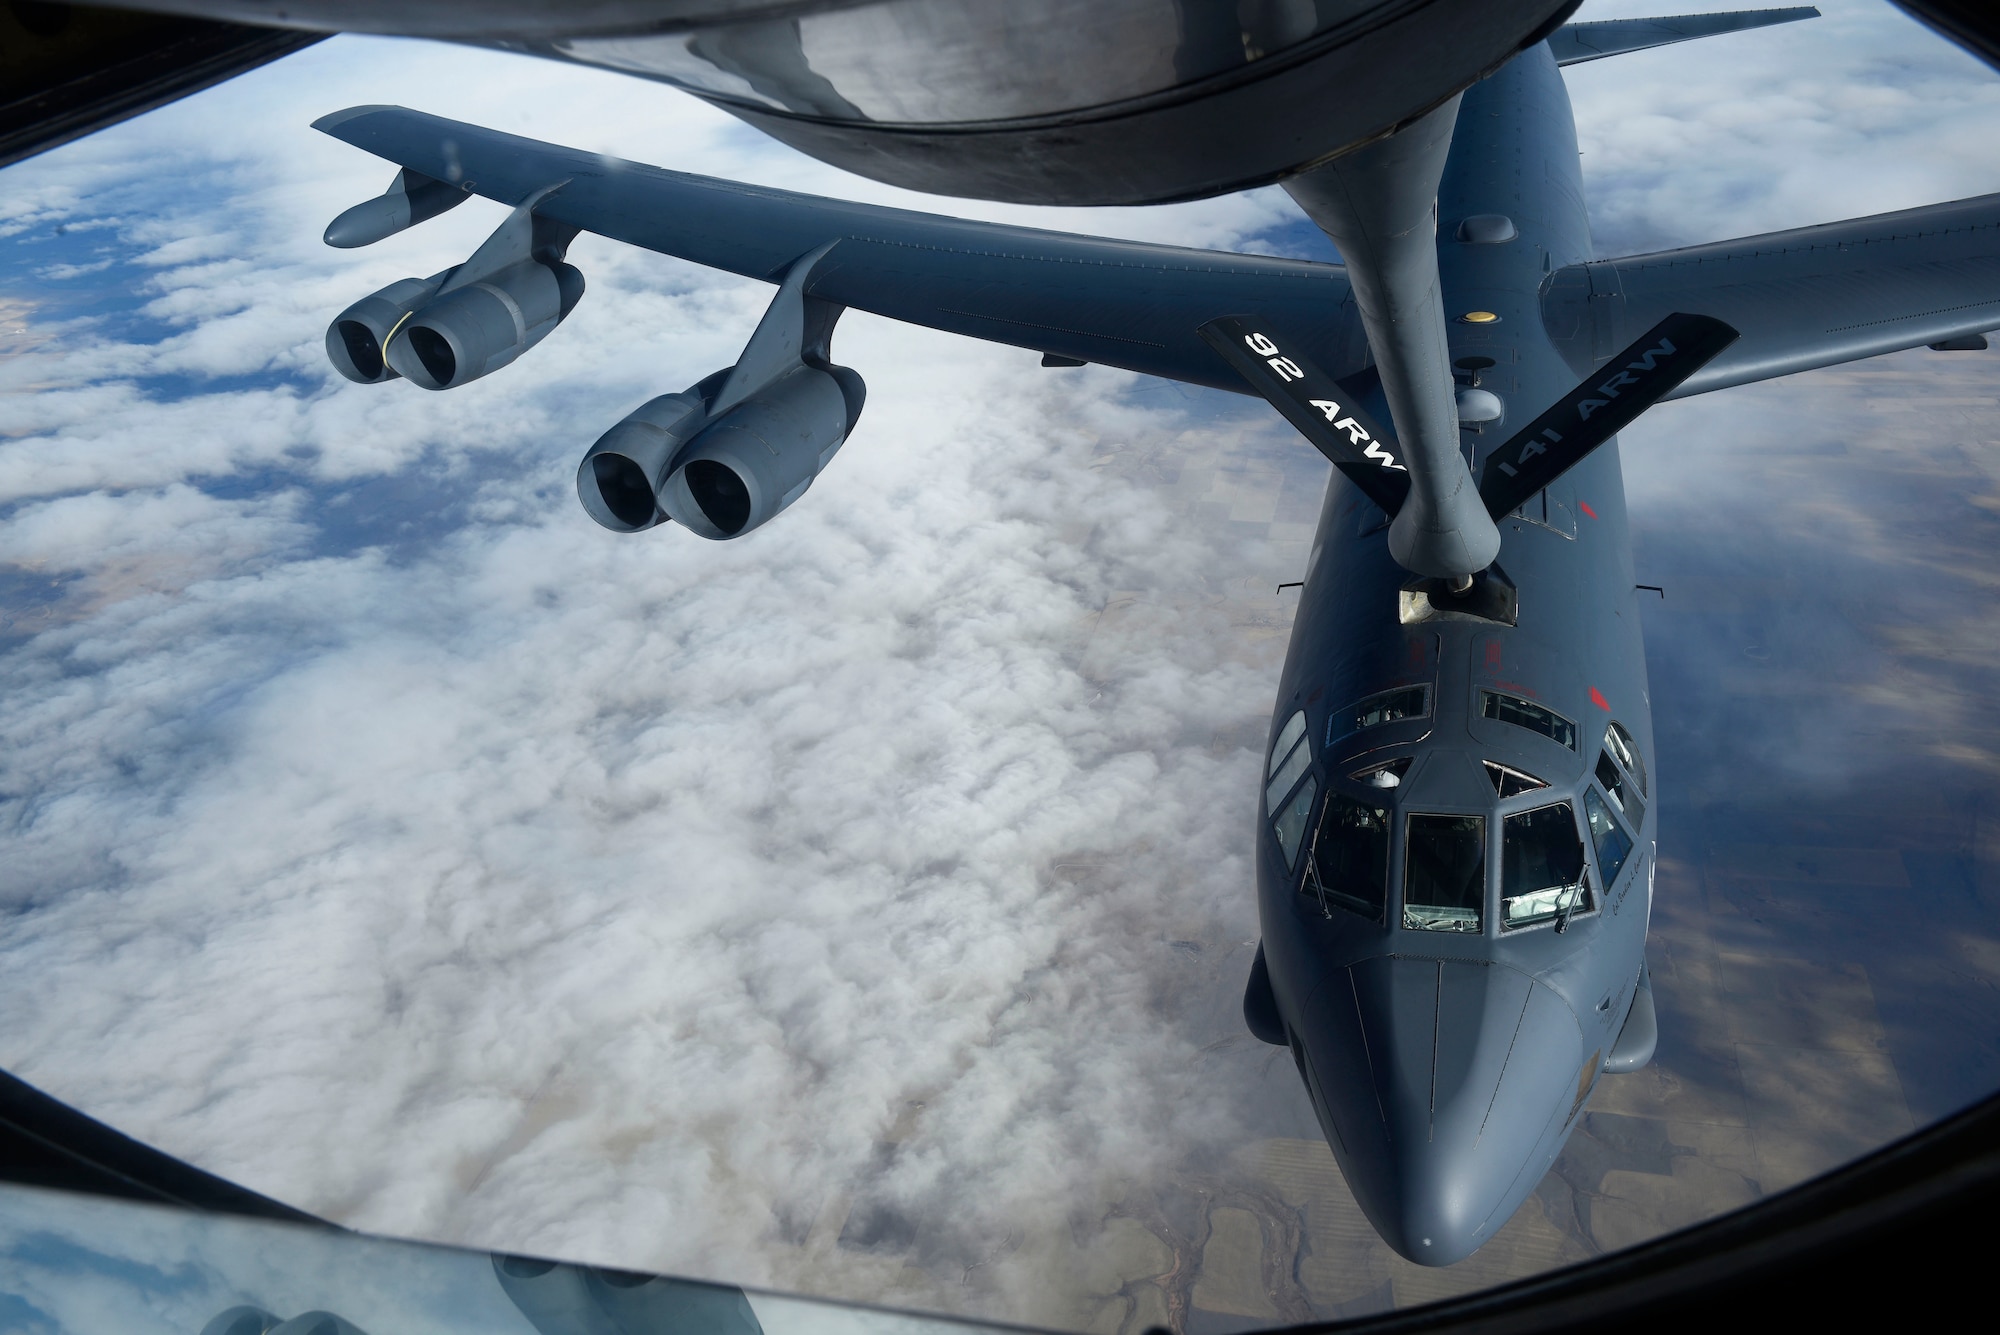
point(1447, 1069)
point(1449, 1066)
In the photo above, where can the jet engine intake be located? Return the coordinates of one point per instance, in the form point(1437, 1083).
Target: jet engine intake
point(475, 329)
point(619, 478)
point(763, 454)
point(355, 339)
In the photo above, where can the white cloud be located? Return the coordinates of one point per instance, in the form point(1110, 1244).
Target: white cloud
point(385, 836)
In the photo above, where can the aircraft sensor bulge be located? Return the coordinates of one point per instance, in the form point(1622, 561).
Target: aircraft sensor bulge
point(1456, 833)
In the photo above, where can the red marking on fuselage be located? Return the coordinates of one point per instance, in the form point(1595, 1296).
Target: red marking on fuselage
point(1585, 506)
point(1597, 698)
point(1493, 656)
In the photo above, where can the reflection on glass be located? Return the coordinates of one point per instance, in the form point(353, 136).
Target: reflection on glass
point(1613, 844)
point(90, 1263)
point(1393, 706)
point(1444, 874)
point(1291, 823)
point(1351, 855)
point(1295, 728)
point(938, 62)
point(1619, 743)
point(1541, 866)
point(1527, 714)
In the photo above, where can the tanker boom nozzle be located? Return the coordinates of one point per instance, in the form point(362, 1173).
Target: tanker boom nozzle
point(1459, 584)
point(1378, 206)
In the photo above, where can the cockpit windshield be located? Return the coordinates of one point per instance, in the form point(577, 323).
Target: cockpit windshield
point(1541, 866)
point(1444, 873)
point(1622, 791)
point(1619, 743)
point(1613, 844)
point(1351, 856)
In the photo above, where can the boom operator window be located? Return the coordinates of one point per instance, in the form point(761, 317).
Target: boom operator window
point(1350, 857)
point(1290, 758)
point(1527, 714)
point(1444, 873)
point(1541, 867)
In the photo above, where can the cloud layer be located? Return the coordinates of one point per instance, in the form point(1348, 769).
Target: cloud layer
point(382, 834)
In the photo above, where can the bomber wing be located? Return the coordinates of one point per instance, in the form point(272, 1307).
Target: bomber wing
point(1802, 299)
point(1118, 303)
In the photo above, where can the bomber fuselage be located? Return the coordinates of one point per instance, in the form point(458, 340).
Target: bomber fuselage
point(1455, 849)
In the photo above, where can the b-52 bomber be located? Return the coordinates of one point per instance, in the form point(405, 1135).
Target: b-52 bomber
point(1458, 821)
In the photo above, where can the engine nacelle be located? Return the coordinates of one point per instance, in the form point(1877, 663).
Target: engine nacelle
point(354, 340)
point(720, 476)
point(619, 478)
point(480, 327)
point(761, 455)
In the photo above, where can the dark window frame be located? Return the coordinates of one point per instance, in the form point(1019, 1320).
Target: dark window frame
point(1490, 700)
point(1584, 903)
point(1346, 723)
point(1484, 821)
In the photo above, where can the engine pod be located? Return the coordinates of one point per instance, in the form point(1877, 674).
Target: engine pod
point(474, 330)
point(760, 456)
point(620, 474)
point(355, 339)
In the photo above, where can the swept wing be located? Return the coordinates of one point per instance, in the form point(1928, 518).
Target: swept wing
point(1119, 303)
point(1815, 296)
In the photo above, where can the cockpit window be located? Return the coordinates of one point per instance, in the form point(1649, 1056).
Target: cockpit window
point(1287, 775)
point(1527, 714)
point(1291, 822)
point(1541, 867)
point(1388, 774)
point(1613, 844)
point(1619, 743)
point(1444, 873)
point(1392, 706)
point(1510, 782)
point(1620, 790)
point(1350, 856)
point(1295, 728)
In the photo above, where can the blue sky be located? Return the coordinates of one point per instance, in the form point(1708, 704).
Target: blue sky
point(384, 835)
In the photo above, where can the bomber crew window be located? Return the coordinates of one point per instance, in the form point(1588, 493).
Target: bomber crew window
point(1619, 743)
point(1388, 774)
point(1286, 766)
point(1620, 790)
point(1295, 728)
point(1510, 782)
point(1444, 873)
point(1541, 867)
point(1527, 714)
point(1613, 844)
point(1392, 707)
point(1351, 856)
point(1291, 822)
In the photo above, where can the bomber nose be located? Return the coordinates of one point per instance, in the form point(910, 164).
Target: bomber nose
point(1442, 1080)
